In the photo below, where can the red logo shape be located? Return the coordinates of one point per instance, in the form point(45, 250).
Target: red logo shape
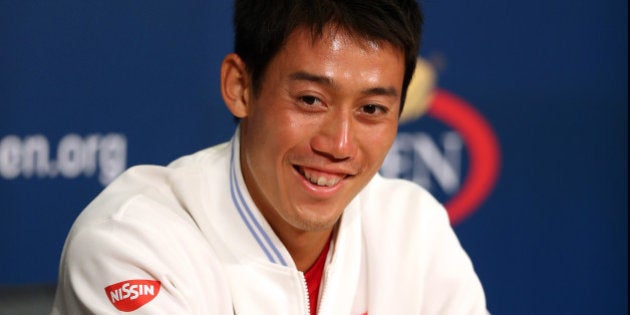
point(130, 295)
point(483, 148)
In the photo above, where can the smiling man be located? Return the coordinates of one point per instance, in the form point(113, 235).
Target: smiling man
point(290, 216)
point(317, 130)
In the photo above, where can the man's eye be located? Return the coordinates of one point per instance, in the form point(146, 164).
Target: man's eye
point(310, 100)
point(373, 109)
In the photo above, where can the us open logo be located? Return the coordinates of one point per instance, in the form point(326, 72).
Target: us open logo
point(459, 164)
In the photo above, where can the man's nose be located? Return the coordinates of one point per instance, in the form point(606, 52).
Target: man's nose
point(336, 137)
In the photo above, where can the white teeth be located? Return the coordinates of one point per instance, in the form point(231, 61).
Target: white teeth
point(321, 180)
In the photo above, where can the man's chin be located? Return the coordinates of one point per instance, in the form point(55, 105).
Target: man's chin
point(312, 221)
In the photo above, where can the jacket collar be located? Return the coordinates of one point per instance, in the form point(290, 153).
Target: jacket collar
point(257, 226)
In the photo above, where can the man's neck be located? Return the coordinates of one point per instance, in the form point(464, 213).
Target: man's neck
point(305, 247)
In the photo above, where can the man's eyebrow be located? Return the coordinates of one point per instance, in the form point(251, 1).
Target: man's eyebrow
point(305, 76)
point(384, 91)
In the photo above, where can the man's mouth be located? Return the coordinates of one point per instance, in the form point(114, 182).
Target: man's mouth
point(320, 178)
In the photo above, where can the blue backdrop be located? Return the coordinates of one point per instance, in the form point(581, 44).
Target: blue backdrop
point(88, 88)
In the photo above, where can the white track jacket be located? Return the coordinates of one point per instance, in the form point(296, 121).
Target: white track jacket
point(188, 239)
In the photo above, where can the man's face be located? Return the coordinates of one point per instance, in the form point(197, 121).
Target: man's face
point(319, 127)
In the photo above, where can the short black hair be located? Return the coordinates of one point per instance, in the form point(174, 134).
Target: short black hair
point(262, 27)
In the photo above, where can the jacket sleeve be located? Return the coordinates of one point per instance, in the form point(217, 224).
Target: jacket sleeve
point(456, 288)
point(142, 260)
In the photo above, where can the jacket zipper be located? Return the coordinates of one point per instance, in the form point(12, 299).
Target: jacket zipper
point(324, 290)
point(307, 301)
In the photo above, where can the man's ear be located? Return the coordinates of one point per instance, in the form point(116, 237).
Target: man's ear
point(235, 85)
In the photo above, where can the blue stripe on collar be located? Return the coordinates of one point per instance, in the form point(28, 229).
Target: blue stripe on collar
point(246, 215)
